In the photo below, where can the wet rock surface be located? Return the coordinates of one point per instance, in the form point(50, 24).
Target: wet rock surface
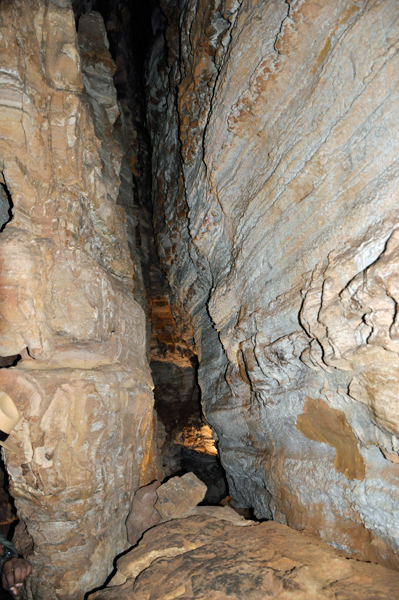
point(211, 558)
point(274, 151)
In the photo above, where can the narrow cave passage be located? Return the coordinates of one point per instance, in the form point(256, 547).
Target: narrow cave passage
point(77, 230)
point(184, 439)
point(198, 285)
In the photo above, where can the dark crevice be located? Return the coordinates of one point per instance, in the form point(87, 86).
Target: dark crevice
point(131, 27)
point(9, 361)
point(110, 576)
point(178, 406)
point(8, 512)
point(116, 15)
point(6, 206)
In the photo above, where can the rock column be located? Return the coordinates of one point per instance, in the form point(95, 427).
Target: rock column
point(83, 386)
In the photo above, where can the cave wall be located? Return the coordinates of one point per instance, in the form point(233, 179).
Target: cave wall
point(67, 279)
point(275, 136)
point(130, 26)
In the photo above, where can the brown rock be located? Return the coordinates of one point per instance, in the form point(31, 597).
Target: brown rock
point(22, 540)
point(321, 423)
point(179, 495)
point(83, 386)
point(143, 515)
point(203, 557)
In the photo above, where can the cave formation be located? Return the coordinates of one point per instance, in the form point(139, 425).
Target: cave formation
point(198, 270)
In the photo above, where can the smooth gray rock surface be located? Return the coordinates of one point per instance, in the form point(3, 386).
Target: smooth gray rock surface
point(275, 156)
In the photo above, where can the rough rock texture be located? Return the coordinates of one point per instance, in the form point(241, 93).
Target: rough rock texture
point(154, 503)
point(172, 351)
point(179, 495)
point(143, 515)
point(207, 558)
point(275, 138)
point(208, 469)
point(83, 385)
point(5, 208)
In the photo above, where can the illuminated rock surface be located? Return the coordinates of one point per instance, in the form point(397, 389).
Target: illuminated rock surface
point(179, 495)
point(275, 191)
point(83, 386)
point(207, 558)
point(275, 137)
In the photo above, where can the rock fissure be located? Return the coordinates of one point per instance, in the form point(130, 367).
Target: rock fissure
point(198, 274)
point(283, 22)
point(6, 205)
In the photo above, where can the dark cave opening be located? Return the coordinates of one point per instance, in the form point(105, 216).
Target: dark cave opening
point(8, 512)
point(118, 16)
point(6, 204)
point(9, 361)
point(185, 440)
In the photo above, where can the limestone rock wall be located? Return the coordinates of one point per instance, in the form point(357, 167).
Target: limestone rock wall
point(83, 385)
point(172, 353)
point(275, 135)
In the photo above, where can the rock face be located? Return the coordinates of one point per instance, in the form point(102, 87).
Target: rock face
point(143, 515)
point(204, 557)
point(172, 353)
point(83, 386)
point(174, 499)
point(179, 495)
point(275, 143)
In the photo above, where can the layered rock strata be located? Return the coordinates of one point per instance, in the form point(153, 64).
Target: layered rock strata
point(274, 136)
point(211, 555)
point(172, 352)
point(83, 386)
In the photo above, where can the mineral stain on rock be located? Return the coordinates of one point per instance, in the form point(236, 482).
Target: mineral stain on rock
point(321, 423)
